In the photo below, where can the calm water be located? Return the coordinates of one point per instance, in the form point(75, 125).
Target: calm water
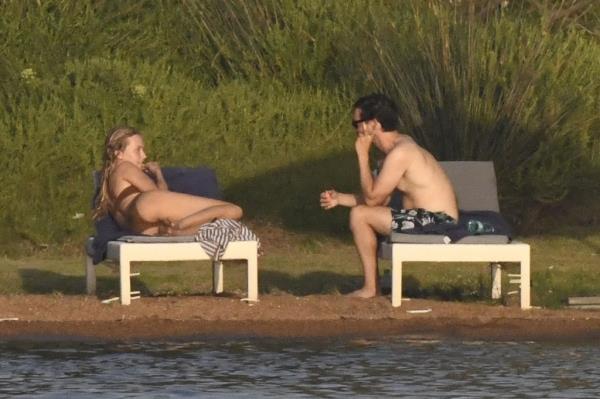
point(293, 368)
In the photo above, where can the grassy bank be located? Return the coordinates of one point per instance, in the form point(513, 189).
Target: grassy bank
point(303, 264)
point(261, 89)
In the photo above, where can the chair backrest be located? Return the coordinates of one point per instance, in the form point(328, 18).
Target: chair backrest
point(474, 183)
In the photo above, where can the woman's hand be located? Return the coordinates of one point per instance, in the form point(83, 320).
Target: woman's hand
point(153, 168)
point(168, 228)
point(329, 199)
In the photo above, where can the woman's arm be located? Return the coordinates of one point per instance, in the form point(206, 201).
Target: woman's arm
point(135, 176)
point(154, 169)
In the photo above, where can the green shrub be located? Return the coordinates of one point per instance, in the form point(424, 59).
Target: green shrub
point(261, 90)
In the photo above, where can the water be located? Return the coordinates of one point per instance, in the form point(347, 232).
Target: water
point(300, 369)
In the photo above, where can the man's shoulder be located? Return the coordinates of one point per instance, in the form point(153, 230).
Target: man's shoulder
point(404, 148)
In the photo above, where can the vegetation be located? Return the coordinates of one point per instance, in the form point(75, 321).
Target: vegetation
point(260, 90)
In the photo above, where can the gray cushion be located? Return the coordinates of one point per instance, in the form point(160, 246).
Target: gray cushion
point(484, 239)
point(474, 183)
point(442, 239)
point(419, 238)
point(157, 239)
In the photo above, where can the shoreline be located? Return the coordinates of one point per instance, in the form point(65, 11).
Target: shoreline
point(85, 319)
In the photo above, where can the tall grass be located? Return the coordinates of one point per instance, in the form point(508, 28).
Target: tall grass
point(260, 90)
point(502, 89)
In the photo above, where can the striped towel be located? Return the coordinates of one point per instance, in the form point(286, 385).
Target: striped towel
point(214, 237)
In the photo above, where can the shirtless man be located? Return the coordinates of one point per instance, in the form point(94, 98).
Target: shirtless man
point(146, 206)
point(427, 194)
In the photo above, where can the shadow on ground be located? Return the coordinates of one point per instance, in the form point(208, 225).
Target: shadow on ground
point(317, 283)
point(36, 281)
point(308, 284)
point(289, 196)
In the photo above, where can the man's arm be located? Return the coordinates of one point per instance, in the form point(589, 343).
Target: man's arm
point(377, 191)
point(331, 198)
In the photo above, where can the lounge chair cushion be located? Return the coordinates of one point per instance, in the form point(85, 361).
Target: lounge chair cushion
point(444, 239)
point(156, 239)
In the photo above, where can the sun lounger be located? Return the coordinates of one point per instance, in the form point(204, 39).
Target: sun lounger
point(475, 186)
point(129, 249)
point(134, 248)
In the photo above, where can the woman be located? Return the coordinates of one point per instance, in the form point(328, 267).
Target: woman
point(144, 205)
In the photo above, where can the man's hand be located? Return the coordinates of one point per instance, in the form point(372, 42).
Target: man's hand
point(363, 143)
point(329, 199)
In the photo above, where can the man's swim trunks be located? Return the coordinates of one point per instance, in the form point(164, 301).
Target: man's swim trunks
point(418, 220)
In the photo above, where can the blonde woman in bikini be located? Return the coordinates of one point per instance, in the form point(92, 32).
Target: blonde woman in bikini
point(143, 204)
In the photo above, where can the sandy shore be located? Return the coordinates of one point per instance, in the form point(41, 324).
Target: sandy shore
point(81, 318)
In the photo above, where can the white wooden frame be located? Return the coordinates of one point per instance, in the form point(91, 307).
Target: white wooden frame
point(124, 253)
point(494, 253)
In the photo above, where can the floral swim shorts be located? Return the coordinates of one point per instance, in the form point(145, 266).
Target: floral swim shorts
point(416, 219)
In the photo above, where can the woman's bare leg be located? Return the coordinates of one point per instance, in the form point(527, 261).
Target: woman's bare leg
point(183, 212)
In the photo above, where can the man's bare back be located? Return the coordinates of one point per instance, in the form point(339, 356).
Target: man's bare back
point(423, 182)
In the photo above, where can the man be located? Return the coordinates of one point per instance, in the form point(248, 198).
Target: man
point(427, 194)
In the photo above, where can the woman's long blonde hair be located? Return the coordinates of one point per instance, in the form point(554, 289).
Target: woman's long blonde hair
point(116, 140)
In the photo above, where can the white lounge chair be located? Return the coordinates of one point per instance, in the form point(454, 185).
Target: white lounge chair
point(475, 186)
point(142, 248)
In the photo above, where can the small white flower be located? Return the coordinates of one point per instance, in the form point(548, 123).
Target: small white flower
point(139, 90)
point(78, 215)
point(28, 74)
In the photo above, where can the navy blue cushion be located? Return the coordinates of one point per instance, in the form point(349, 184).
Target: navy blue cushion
point(201, 181)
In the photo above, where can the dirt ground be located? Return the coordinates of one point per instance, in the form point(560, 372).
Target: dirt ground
point(83, 318)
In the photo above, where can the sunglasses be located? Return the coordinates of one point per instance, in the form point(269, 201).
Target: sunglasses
point(356, 123)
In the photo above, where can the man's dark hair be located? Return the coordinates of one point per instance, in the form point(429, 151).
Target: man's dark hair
point(381, 107)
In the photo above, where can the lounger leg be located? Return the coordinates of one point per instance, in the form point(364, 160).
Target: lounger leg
point(217, 277)
point(253, 276)
point(90, 276)
point(496, 270)
point(525, 280)
point(125, 279)
point(396, 278)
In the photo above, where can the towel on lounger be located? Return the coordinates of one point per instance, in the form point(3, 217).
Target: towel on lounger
point(214, 237)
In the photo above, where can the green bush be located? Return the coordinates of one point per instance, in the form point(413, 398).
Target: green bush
point(260, 90)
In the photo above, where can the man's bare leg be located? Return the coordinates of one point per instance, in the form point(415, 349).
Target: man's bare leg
point(365, 223)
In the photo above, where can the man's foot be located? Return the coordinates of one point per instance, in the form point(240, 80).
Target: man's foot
point(364, 293)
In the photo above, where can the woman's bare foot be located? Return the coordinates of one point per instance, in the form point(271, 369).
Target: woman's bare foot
point(365, 293)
